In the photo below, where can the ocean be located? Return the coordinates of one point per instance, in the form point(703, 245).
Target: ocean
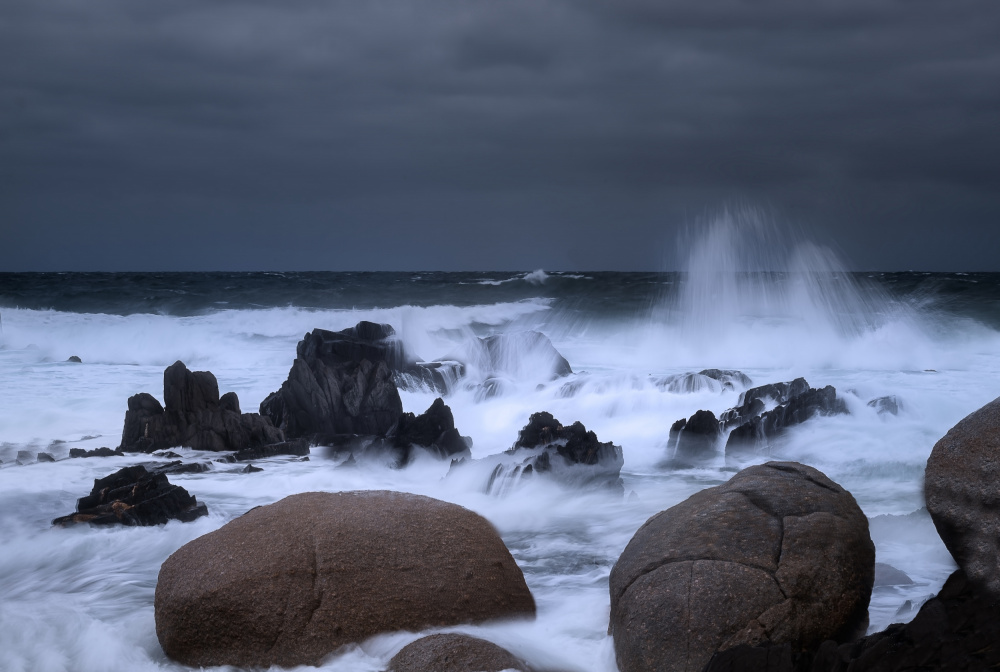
point(81, 599)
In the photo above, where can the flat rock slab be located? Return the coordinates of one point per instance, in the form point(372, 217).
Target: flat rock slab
point(288, 583)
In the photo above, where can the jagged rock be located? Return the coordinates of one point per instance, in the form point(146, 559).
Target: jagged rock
point(962, 488)
point(250, 469)
point(328, 569)
point(454, 653)
point(957, 630)
point(75, 359)
point(758, 431)
point(883, 405)
point(433, 430)
point(694, 440)
point(133, 496)
point(45, 457)
point(103, 451)
point(193, 416)
point(780, 553)
point(522, 355)
point(340, 383)
point(572, 455)
point(887, 575)
point(754, 401)
point(24, 457)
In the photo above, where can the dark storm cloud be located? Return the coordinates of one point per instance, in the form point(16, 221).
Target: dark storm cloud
point(380, 135)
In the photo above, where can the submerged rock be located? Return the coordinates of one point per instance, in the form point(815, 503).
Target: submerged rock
point(45, 457)
point(454, 653)
point(962, 488)
point(194, 416)
point(103, 451)
point(780, 553)
point(75, 359)
point(888, 405)
point(715, 380)
point(328, 569)
point(134, 496)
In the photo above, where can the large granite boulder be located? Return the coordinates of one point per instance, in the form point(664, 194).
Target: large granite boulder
point(962, 488)
point(454, 653)
point(959, 629)
point(193, 415)
point(288, 583)
point(135, 496)
point(779, 553)
point(340, 383)
point(572, 455)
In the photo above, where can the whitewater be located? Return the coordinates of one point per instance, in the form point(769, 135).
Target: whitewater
point(81, 599)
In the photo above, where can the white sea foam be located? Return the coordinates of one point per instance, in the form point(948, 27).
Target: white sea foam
point(81, 599)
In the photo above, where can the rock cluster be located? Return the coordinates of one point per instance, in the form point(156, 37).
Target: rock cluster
point(572, 455)
point(134, 496)
point(193, 415)
point(751, 423)
point(288, 583)
point(780, 553)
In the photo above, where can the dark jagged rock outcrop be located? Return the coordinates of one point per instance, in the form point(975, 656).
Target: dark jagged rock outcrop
point(694, 440)
point(134, 496)
point(962, 488)
point(770, 424)
point(572, 455)
point(780, 553)
point(433, 430)
point(957, 630)
point(454, 652)
point(753, 402)
point(193, 415)
point(329, 569)
point(103, 451)
point(340, 383)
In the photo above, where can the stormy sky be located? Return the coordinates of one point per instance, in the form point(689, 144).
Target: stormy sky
point(511, 134)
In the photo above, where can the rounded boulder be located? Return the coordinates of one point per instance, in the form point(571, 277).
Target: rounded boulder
point(454, 653)
point(962, 489)
point(288, 583)
point(779, 553)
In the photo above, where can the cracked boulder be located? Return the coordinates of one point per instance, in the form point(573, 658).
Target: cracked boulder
point(778, 554)
point(962, 488)
point(288, 583)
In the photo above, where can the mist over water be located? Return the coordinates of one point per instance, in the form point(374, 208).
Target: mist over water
point(750, 297)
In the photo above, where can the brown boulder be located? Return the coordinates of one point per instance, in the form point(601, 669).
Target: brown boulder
point(780, 553)
point(288, 583)
point(962, 488)
point(454, 653)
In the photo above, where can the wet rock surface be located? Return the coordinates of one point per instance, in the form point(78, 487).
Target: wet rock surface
point(780, 553)
point(433, 430)
point(962, 489)
point(135, 496)
point(454, 653)
point(959, 630)
point(756, 431)
point(694, 440)
point(288, 583)
point(194, 416)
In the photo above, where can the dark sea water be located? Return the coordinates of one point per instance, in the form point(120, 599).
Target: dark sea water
point(81, 599)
